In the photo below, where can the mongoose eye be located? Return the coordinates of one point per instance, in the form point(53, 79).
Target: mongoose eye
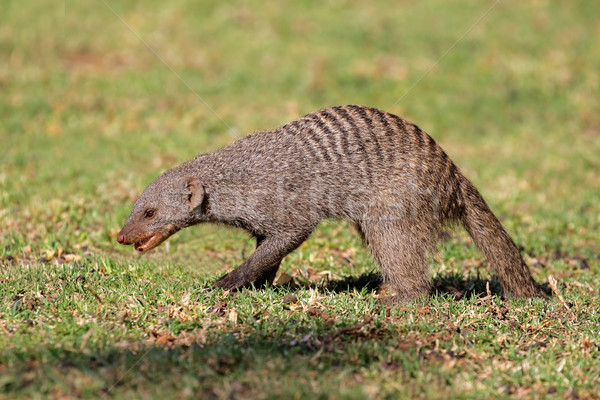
point(149, 214)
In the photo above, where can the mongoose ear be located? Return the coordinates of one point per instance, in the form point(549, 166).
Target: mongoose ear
point(195, 192)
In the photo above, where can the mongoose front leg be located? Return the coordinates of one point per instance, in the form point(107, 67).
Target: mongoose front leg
point(267, 277)
point(263, 263)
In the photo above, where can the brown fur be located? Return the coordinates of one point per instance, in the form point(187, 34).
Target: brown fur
point(348, 162)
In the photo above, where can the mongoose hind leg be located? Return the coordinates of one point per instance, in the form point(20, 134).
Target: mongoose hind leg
point(401, 255)
point(267, 278)
point(263, 263)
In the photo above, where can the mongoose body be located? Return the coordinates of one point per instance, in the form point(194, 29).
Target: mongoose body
point(348, 162)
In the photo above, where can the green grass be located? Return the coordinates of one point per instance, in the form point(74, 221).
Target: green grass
point(89, 116)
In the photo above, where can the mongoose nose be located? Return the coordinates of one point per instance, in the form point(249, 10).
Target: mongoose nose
point(121, 238)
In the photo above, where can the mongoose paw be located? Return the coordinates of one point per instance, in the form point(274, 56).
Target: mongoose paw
point(228, 282)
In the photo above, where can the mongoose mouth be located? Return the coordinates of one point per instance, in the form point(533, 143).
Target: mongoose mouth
point(147, 243)
point(150, 242)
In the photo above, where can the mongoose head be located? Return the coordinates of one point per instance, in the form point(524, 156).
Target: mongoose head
point(170, 203)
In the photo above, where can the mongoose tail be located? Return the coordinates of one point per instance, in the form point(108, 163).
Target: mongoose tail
point(496, 245)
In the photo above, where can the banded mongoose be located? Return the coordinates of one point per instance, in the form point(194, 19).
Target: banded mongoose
point(347, 162)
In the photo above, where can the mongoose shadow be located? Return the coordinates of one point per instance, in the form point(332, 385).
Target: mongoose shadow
point(455, 284)
point(386, 175)
point(452, 283)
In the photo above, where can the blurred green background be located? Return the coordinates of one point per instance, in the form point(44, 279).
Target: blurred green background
point(96, 96)
point(99, 97)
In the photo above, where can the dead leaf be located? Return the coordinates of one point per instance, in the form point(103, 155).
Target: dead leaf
point(71, 257)
point(285, 279)
point(233, 316)
point(185, 300)
point(49, 254)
